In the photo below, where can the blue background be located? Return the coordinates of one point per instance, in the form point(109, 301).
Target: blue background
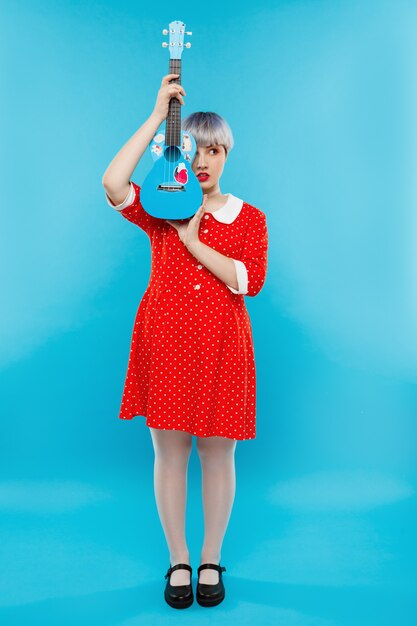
point(321, 98)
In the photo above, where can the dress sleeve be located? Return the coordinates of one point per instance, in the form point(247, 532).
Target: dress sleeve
point(242, 277)
point(132, 210)
point(251, 268)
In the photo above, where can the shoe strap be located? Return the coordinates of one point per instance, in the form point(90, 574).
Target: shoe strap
point(178, 566)
point(219, 567)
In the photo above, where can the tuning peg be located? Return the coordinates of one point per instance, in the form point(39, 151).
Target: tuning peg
point(164, 44)
point(187, 45)
point(188, 32)
point(165, 31)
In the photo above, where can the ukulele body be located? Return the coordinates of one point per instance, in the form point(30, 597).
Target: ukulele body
point(171, 190)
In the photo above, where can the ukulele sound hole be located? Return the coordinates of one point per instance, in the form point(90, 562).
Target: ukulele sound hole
point(172, 154)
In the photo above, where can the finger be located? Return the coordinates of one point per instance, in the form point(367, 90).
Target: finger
point(174, 223)
point(176, 89)
point(178, 97)
point(175, 93)
point(169, 77)
point(201, 209)
point(199, 213)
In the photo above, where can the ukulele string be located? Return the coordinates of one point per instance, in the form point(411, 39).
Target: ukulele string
point(168, 139)
point(172, 133)
point(175, 125)
point(168, 168)
point(167, 172)
point(178, 114)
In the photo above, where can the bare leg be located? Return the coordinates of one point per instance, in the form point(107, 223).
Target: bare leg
point(217, 456)
point(172, 452)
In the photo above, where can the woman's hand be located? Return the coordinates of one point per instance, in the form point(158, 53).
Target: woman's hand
point(188, 232)
point(167, 91)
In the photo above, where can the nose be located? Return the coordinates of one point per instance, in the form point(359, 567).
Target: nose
point(200, 161)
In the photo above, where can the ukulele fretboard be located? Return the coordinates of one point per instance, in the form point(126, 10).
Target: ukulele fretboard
point(173, 121)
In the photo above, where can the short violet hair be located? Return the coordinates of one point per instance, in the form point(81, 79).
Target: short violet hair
point(209, 129)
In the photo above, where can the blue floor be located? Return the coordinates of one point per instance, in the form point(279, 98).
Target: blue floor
point(91, 551)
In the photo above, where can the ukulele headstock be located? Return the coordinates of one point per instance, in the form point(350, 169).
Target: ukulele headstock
point(176, 39)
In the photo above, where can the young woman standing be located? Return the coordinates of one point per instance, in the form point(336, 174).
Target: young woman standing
point(191, 369)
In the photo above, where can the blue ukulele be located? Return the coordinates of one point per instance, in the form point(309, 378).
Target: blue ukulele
point(171, 190)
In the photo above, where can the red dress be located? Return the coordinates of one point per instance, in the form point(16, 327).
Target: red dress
point(191, 365)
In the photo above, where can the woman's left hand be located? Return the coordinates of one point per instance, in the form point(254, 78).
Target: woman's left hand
point(188, 232)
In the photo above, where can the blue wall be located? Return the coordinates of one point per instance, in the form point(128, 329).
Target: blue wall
point(321, 99)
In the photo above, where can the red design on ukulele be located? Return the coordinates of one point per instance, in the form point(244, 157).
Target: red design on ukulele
point(181, 174)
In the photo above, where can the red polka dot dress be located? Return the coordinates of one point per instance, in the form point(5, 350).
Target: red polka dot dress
point(191, 365)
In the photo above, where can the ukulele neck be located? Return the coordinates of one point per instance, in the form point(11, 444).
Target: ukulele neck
point(173, 121)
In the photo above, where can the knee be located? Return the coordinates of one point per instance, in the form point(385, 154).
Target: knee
point(175, 456)
point(172, 446)
point(216, 450)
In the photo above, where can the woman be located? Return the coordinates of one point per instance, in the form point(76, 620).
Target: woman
point(191, 369)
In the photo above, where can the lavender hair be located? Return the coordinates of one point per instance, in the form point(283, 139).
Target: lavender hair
point(209, 129)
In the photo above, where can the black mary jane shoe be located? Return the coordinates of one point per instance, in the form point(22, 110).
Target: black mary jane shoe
point(210, 595)
point(179, 596)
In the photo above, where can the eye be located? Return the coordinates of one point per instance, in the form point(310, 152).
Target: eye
point(215, 150)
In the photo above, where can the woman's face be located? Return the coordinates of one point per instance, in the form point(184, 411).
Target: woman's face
point(209, 160)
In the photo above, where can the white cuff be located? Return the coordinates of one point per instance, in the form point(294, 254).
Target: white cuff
point(126, 202)
point(242, 277)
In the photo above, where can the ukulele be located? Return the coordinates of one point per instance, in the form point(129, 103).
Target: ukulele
point(171, 190)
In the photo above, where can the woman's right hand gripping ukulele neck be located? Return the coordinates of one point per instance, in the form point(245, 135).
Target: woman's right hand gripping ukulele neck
point(118, 174)
point(167, 91)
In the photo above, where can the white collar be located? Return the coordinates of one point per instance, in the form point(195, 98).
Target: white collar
point(229, 211)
